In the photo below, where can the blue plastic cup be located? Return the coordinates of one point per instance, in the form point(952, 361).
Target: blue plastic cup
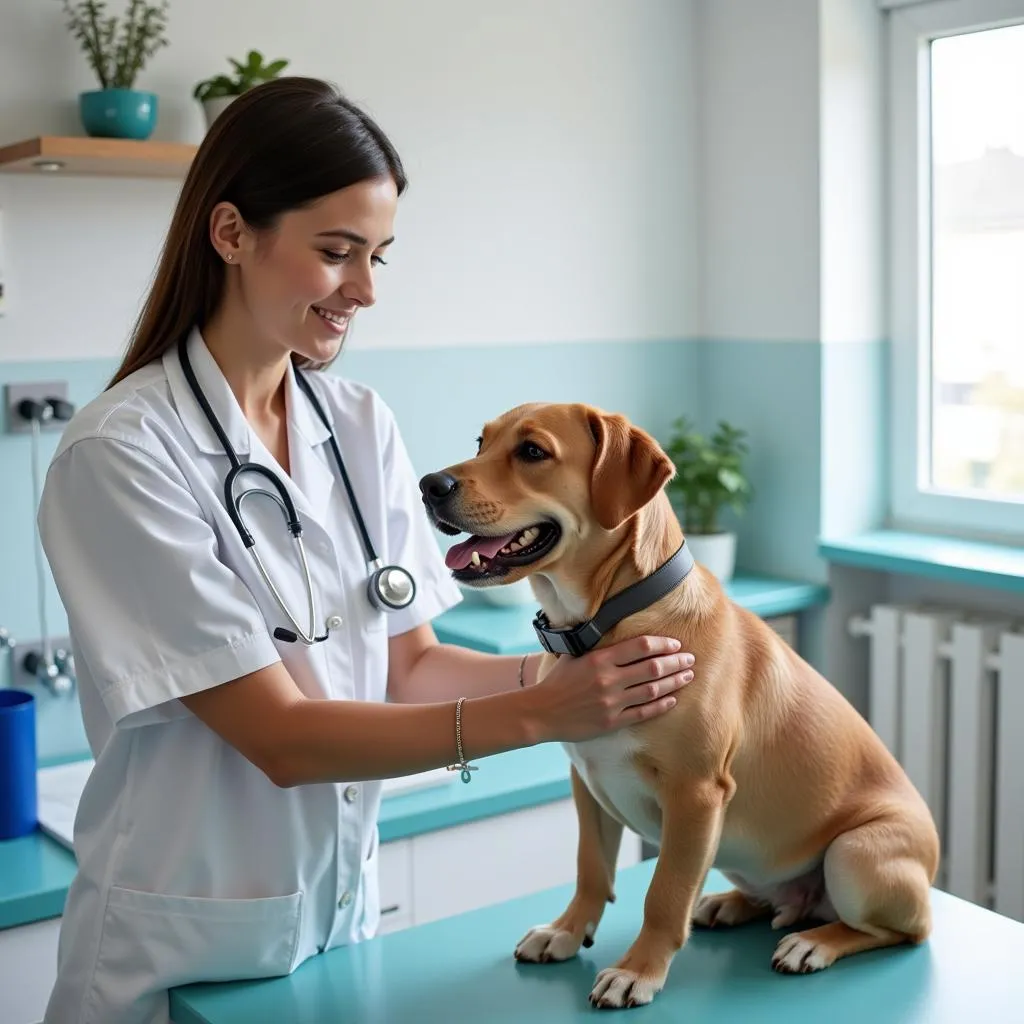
point(19, 798)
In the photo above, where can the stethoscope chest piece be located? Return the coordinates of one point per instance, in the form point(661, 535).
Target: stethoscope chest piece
point(391, 587)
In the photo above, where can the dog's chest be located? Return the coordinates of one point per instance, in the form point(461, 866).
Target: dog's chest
point(608, 770)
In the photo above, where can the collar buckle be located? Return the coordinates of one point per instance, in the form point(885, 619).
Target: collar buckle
point(574, 641)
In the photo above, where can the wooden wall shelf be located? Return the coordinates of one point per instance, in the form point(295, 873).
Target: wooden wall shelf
point(74, 155)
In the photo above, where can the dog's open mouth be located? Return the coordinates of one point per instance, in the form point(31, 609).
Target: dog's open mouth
point(482, 558)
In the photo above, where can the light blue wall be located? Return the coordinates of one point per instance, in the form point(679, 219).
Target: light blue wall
point(855, 437)
point(815, 414)
point(441, 398)
point(772, 389)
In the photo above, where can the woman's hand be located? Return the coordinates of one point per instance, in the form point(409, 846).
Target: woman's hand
point(623, 684)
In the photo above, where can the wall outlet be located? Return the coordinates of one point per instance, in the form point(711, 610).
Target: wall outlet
point(13, 395)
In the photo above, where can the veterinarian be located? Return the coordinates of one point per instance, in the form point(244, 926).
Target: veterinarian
point(249, 577)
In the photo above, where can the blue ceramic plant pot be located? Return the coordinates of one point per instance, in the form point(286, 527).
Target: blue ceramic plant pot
point(118, 113)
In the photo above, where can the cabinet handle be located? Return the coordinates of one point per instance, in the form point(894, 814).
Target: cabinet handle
point(390, 910)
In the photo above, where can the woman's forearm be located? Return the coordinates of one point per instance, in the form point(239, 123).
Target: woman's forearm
point(445, 672)
point(347, 741)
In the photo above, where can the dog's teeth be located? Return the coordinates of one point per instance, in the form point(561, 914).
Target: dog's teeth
point(514, 546)
point(476, 559)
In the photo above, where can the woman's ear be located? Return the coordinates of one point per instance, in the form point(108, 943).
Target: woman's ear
point(228, 231)
point(629, 469)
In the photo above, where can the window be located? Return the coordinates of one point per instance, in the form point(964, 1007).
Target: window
point(957, 274)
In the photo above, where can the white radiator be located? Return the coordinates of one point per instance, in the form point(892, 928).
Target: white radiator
point(946, 696)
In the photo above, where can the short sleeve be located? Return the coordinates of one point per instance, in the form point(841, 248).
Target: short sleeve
point(411, 540)
point(153, 610)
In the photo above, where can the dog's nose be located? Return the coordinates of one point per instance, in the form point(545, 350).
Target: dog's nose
point(437, 486)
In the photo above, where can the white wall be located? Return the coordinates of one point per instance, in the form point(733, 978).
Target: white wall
point(853, 251)
point(758, 178)
point(550, 148)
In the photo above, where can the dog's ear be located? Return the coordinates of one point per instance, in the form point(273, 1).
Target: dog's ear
point(629, 468)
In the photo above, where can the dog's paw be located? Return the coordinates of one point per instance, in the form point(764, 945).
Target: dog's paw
point(796, 954)
point(545, 944)
point(725, 909)
point(617, 987)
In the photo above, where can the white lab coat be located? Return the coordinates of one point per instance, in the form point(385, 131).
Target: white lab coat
point(193, 866)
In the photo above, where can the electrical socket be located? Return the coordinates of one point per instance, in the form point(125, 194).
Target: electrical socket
point(15, 393)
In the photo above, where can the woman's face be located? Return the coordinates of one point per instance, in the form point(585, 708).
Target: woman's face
point(301, 283)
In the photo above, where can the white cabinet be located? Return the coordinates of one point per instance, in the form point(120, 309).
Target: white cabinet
point(423, 878)
point(438, 874)
point(28, 970)
point(395, 880)
point(786, 626)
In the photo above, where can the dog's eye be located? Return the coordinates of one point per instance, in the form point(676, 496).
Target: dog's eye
point(530, 452)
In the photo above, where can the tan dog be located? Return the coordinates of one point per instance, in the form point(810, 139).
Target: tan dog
point(762, 770)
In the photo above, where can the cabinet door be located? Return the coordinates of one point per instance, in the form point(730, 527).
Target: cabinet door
point(395, 873)
point(28, 970)
point(500, 858)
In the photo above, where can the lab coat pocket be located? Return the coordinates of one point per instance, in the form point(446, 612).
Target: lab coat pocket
point(159, 941)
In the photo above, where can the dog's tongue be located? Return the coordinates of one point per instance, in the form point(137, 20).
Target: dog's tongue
point(460, 555)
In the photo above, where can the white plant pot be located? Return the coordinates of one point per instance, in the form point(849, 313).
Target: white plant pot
point(715, 551)
point(213, 108)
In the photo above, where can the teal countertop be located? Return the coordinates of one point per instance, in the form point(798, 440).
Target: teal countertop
point(35, 872)
point(982, 564)
point(509, 630)
point(461, 970)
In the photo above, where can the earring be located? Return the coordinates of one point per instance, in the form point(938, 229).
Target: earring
point(229, 257)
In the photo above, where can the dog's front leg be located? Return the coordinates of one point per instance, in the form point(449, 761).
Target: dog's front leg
point(691, 825)
point(598, 849)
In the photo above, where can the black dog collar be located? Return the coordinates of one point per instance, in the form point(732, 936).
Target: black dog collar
point(577, 640)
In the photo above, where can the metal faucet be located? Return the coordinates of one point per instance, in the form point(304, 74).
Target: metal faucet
point(56, 673)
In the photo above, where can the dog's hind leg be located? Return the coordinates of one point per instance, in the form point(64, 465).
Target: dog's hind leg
point(878, 877)
point(718, 909)
point(599, 838)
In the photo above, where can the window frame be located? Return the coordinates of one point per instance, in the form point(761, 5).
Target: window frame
point(913, 503)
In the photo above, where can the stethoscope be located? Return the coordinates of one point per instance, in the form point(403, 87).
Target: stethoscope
point(389, 587)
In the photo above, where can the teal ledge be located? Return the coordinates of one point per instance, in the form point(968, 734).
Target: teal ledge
point(461, 969)
point(35, 872)
point(972, 562)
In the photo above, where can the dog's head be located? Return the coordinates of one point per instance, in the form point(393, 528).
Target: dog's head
point(548, 482)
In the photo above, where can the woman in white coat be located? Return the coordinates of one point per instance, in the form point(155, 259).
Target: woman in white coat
point(228, 829)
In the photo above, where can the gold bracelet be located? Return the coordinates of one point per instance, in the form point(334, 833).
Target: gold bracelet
point(461, 765)
point(522, 665)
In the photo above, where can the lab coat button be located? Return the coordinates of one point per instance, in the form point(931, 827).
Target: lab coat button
point(351, 792)
point(334, 622)
point(346, 899)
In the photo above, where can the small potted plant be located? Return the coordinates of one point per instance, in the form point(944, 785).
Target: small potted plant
point(117, 50)
point(217, 92)
point(709, 477)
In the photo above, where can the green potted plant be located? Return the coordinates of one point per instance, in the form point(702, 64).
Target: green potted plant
point(117, 50)
point(709, 478)
point(217, 92)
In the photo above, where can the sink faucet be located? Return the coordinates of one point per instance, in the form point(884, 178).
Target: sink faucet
point(56, 673)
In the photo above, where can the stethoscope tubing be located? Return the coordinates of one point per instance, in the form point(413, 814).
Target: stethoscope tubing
point(233, 504)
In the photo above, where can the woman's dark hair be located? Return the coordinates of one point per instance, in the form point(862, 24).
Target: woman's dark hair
point(277, 147)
